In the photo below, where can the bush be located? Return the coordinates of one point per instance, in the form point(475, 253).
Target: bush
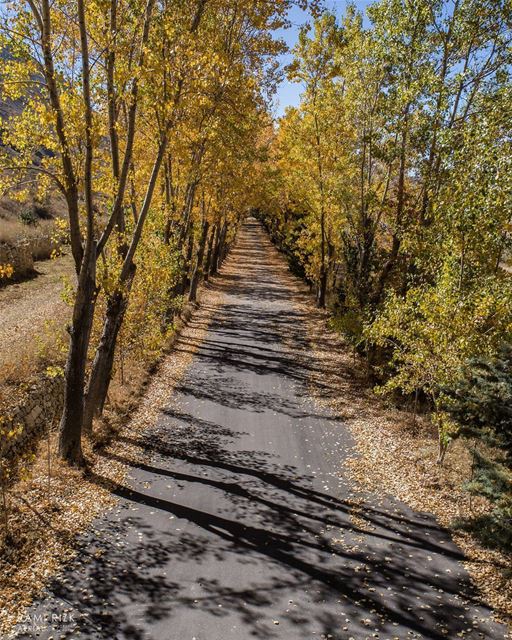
point(42, 213)
point(350, 323)
point(29, 217)
point(481, 401)
point(481, 404)
point(33, 214)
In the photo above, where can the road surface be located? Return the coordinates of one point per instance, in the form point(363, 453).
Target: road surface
point(241, 524)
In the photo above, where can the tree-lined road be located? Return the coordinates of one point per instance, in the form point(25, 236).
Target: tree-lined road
point(240, 523)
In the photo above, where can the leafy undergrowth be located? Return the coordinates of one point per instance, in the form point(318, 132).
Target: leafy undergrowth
point(47, 514)
point(397, 456)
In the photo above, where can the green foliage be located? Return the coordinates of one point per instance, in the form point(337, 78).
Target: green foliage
point(480, 402)
point(494, 482)
point(350, 324)
point(437, 327)
point(29, 217)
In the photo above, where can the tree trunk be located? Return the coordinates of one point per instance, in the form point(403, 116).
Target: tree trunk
point(216, 262)
point(103, 363)
point(322, 287)
point(222, 245)
point(70, 430)
point(225, 246)
point(116, 307)
point(215, 253)
point(198, 270)
point(443, 448)
point(395, 247)
point(209, 253)
point(185, 276)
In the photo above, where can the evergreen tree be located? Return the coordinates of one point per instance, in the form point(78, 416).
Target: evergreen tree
point(481, 404)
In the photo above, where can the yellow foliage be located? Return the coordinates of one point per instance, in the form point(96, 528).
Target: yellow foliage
point(6, 271)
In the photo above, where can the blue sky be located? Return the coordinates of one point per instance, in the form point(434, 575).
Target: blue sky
point(288, 93)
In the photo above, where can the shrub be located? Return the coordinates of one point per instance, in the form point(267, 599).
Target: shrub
point(481, 404)
point(29, 216)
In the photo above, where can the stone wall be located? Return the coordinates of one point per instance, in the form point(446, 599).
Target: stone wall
point(39, 408)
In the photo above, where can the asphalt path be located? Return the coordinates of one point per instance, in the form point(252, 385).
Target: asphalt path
point(241, 524)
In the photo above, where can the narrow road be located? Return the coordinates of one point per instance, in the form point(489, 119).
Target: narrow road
point(241, 524)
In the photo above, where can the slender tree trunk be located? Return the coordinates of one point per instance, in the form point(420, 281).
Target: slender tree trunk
point(101, 372)
point(112, 94)
point(209, 253)
point(186, 212)
point(443, 448)
point(185, 275)
point(178, 287)
point(70, 430)
point(222, 245)
point(83, 312)
point(103, 363)
point(395, 247)
point(44, 20)
point(215, 253)
point(325, 266)
point(322, 286)
point(169, 200)
point(216, 261)
point(198, 270)
point(225, 246)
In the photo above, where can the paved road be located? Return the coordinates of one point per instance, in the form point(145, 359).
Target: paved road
point(240, 526)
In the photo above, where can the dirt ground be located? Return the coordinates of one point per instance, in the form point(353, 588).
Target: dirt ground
point(30, 313)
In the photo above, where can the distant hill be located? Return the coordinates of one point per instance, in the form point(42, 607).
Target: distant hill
point(8, 107)
point(9, 209)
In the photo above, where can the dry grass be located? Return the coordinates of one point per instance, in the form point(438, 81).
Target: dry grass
point(11, 231)
point(38, 237)
point(14, 231)
point(32, 331)
point(30, 360)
